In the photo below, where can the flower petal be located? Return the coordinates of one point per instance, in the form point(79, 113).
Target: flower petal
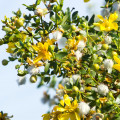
point(60, 109)
point(113, 17)
point(100, 17)
point(116, 59)
point(62, 102)
point(67, 100)
point(64, 116)
point(114, 26)
point(117, 67)
point(77, 116)
point(75, 104)
point(35, 48)
point(37, 59)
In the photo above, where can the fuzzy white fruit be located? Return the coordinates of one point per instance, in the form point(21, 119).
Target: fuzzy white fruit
point(57, 35)
point(78, 55)
point(108, 64)
point(81, 45)
point(33, 70)
point(40, 11)
point(21, 80)
point(76, 77)
point(103, 89)
point(66, 81)
point(108, 39)
point(83, 108)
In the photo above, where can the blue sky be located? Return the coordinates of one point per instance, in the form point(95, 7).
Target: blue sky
point(24, 101)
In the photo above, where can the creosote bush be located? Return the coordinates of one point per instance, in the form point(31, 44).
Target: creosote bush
point(88, 61)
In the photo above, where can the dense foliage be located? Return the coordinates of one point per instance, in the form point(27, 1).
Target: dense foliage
point(87, 60)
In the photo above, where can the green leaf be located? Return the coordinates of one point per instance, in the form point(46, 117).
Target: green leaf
point(18, 13)
point(90, 81)
point(12, 59)
point(52, 16)
point(74, 15)
point(21, 43)
point(51, 48)
point(50, 26)
point(53, 82)
point(90, 98)
point(22, 73)
point(38, 2)
point(91, 21)
point(41, 82)
point(87, 18)
point(11, 37)
point(30, 8)
point(64, 19)
point(65, 26)
point(47, 79)
point(118, 118)
point(60, 55)
point(83, 71)
point(18, 45)
point(6, 29)
point(93, 73)
point(68, 13)
point(57, 19)
point(61, 2)
point(47, 67)
point(46, 25)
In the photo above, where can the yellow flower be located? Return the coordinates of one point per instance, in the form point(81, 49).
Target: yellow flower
point(30, 62)
point(43, 52)
point(86, 0)
point(67, 111)
point(11, 47)
point(50, 42)
point(116, 66)
point(72, 44)
point(108, 79)
point(108, 24)
point(103, 100)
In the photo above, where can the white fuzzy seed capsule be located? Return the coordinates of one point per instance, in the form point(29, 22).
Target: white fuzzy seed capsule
point(83, 108)
point(81, 45)
point(57, 35)
point(21, 80)
point(99, 46)
point(66, 81)
point(108, 39)
point(108, 64)
point(78, 55)
point(40, 11)
point(33, 70)
point(103, 89)
point(76, 77)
